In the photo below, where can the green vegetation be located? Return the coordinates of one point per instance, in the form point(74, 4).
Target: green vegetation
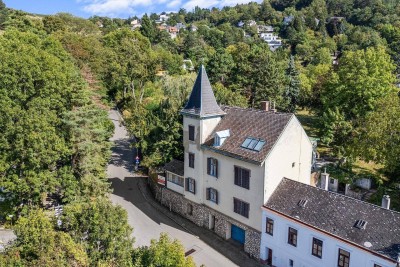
point(338, 61)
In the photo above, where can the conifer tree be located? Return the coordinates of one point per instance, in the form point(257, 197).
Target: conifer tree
point(293, 87)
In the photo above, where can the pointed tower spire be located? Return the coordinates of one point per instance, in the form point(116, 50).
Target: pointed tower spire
point(202, 101)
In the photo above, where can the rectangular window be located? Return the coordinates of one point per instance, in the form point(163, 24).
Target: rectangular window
point(173, 178)
point(191, 160)
point(212, 195)
point(212, 167)
point(270, 226)
point(241, 207)
point(317, 247)
point(191, 132)
point(291, 263)
point(191, 185)
point(189, 209)
point(242, 177)
point(292, 237)
point(344, 258)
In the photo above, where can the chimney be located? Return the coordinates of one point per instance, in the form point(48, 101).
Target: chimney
point(325, 180)
point(386, 202)
point(265, 105)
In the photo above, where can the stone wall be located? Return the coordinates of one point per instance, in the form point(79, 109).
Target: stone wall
point(200, 216)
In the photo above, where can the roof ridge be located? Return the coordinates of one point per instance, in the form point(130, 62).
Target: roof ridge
point(258, 110)
point(338, 194)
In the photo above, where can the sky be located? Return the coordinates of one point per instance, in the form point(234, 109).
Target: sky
point(113, 8)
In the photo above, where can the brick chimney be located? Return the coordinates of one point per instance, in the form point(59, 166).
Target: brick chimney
point(265, 105)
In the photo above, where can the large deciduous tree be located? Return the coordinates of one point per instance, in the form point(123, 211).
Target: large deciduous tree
point(364, 77)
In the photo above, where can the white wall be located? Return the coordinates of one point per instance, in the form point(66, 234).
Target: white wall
point(227, 190)
point(301, 255)
point(175, 187)
point(202, 129)
point(293, 146)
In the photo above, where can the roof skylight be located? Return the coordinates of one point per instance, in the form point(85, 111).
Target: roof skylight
point(255, 144)
point(361, 224)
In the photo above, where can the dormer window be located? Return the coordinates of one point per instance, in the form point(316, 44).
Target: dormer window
point(360, 224)
point(220, 137)
point(255, 144)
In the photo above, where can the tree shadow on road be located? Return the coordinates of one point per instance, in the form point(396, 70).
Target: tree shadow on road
point(123, 154)
point(130, 189)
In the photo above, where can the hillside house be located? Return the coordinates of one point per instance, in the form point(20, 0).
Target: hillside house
point(234, 160)
point(309, 226)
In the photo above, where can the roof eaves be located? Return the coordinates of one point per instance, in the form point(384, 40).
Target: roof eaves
point(231, 155)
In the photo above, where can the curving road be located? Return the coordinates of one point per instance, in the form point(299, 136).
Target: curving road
point(143, 214)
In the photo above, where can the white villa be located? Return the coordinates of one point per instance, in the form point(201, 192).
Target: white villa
point(234, 160)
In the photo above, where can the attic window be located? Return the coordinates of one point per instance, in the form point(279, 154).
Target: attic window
point(253, 144)
point(360, 224)
point(302, 203)
point(220, 137)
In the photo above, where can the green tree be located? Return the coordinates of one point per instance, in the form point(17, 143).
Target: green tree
point(363, 78)
point(163, 253)
point(102, 229)
point(38, 244)
point(379, 138)
point(293, 87)
point(148, 29)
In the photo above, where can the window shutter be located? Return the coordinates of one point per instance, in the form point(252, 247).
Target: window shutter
point(216, 168)
point(187, 184)
point(194, 186)
point(236, 175)
point(208, 193)
point(246, 210)
point(246, 179)
point(208, 165)
point(235, 205)
point(216, 196)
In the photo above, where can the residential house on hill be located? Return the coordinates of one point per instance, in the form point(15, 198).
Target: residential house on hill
point(234, 160)
point(309, 226)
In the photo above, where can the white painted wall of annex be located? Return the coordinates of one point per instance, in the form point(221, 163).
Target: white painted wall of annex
point(301, 255)
point(293, 146)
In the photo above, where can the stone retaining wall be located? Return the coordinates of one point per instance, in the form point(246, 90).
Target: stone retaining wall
point(200, 216)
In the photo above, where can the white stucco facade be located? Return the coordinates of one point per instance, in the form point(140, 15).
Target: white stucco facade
point(301, 255)
point(290, 157)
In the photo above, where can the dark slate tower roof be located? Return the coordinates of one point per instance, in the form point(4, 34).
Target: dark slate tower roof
point(202, 101)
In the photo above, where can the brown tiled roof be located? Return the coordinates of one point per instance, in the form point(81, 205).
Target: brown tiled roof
point(202, 101)
point(175, 166)
point(337, 214)
point(243, 123)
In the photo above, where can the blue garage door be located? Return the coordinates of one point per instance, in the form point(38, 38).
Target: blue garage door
point(237, 234)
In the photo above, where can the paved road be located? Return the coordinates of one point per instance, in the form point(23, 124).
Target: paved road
point(148, 222)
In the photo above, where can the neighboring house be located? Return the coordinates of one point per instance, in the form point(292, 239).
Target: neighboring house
point(240, 24)
point(180, 26)
point(264, 29)
point(234, 159)
point(135, 24)
point(273, 41)
point(164, 17)
point(309, 226)
point(267, 34)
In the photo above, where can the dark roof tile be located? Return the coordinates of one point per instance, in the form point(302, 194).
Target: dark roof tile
point(243, 123)
point(337, 214)
point(175, 166)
